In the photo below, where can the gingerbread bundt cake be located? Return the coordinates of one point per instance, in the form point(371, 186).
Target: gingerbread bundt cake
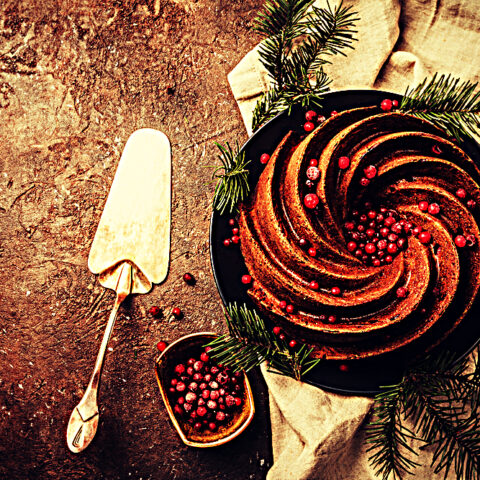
point(362, 238)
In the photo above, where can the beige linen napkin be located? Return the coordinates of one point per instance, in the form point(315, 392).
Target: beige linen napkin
point(316, 434)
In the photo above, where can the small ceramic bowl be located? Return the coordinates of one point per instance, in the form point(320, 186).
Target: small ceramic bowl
point(178, 352)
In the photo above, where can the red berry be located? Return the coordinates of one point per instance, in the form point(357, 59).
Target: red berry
point(230, 400)
point(434, 209)
point(212, 405)
point(313, 162)
point(176, 312)
point(290, 308)
point(461, 193)
point(397, 228)
point(332, 319)
point(370, 172)
point(246, 279)
point(392, 248)
point(194, 385)
point(388, 259)
point(364, 182)
point(416, 231)
point(471, 204)
point(227, 242)
point(424, 237)
point(180, 369)
point(343, 163)
point(282, 304)
point(401, 243)
point(178, 409)
point(198, 365)
point(308, 126)
point(395, 103)
point(231, 222)
point(180, 387)
point(402, 292)
point(386, 105)
point(384, 232)
point(313, 173)
point(392, 237)
point(311, 200)
point(281, 336)
point(155, 311)
point(333, 113)
point(371, 214)
point(423, 206)
point(376, 262)
point(460, 241)
point(191, 361)
point(201, 411)
point(212, 426)
point(336, 291)
point(238, 401)
point(190, 397)
point(214, 394)
point(370, 248)
point(389, 221)
point(312, 252)
point(310, 116)
point(349, 225)
point(351, 246)
point(314, 285)
point(204, 357)
point(197, 426)
point(188, 277)
point(276, 330)
point(343, 367)
point(161, 346)
point(264, 158)
point(235, 231)
point(220, 416)
point(436, 149)
point(382, 244)
point(292, 344)
point(190, 371)
point(235, 239)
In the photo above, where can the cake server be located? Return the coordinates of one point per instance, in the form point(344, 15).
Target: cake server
point(130, 251)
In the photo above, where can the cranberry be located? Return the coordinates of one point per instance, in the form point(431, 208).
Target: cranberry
point(188, 277)
point(333, 113)
point(161, 346)
point(193, 386)
point(281, 336)
point(230, 400)
point(180, 400)
point(214, 370)
point(361, 228)
point(310, 115)
point(397, 228)
point(389, 221)
point(461, 193)
point(313, 173)
point(292, 344)
point(382, 244)
point(202, 386)
point(392, 248)
point(190, 371)
point(370, 232)
point(179, 369)
point(214, 394)
point(226, 242)
point(376, 262)
point(370, 248)
point(190, 397)
point(222, 378)
point(290, 308)
point(416, 231)
point(264, 158)
point(191, 361)
point(171, 390)
point(276, 330)
point(204, 357)
point(386, 105)
point(231, 222)
point(336, 291)
point(238, 401)
point(178, 409)
point(349, 226)
point(197, 426)
point(176, 312)
point(246, 279)
point(408, 227)
point(212, 426)
point(212, 405)
point(180, 387)
point(208, 377)
point(173, 382)
point(343, 367)
point(235, 239)
point(312, 252)
point(395, 103)
point(351, 246)
point(343, 163)
point(311, 200)
point(423, 206)
point(358, 253)
point(471, 204)
point(282, 304)
point(424, 237)
point(198, 365)
point(332, 319)
point(213, 385)
point(308, 126)
point(402, 243)
point(201, 411)
point(436, 149)
point(370, 172)
point(313, 162)
point(392, 237)
point(314, 285)
point(206, 394)
point(460, 241)
point(302, 242)
point(155, 311)
point(364, 182)
point(388, 259)
point(384, 232)
point(434, 209)
point(220, 416)
point(402, 292)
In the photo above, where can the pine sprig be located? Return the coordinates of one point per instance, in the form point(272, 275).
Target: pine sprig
point(232, 179)
point(249, 344)
point(441, 399)
point(448, 103)
point(297, 45)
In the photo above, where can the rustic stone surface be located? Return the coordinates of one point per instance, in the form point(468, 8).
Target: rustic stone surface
point(76, 78)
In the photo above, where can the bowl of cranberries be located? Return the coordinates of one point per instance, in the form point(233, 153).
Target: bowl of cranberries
point(208, 404)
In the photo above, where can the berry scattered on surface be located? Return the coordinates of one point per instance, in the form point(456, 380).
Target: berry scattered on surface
point(264, 158)
point(424, 237)
point(343, 163)
point(314, 285)
point(386, 105)
point(311, 200)
point(308, 126)
point(402, 292)
point(313, 162)
point(434, 209)
point(310, 116)
point(188, 278)
point(423, 206)
point(155, 311)
point(461, 193)
point(246, 279)
point(460, 241)
point(161, 346)
point(176, 312)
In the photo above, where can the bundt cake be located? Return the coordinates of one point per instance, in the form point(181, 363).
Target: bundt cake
point(362, 237)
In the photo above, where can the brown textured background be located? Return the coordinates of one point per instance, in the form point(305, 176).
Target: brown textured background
point(76, 79)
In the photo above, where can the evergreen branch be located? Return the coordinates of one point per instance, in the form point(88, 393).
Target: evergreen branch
point(448, 103)
point(298, 44)
point(232, 185)
point(441, 398)
point(249, 344)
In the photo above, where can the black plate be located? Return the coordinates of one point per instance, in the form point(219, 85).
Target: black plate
point(364, 376)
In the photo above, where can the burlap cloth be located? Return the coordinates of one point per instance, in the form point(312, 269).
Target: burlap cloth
point(315, 434)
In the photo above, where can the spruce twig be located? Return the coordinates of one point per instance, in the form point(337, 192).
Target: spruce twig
point(249, 344)
point(448, 103)
point(297, 45)
point(232, 184)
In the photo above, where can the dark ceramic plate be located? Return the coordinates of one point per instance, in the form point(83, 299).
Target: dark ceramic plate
point(363, 376)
